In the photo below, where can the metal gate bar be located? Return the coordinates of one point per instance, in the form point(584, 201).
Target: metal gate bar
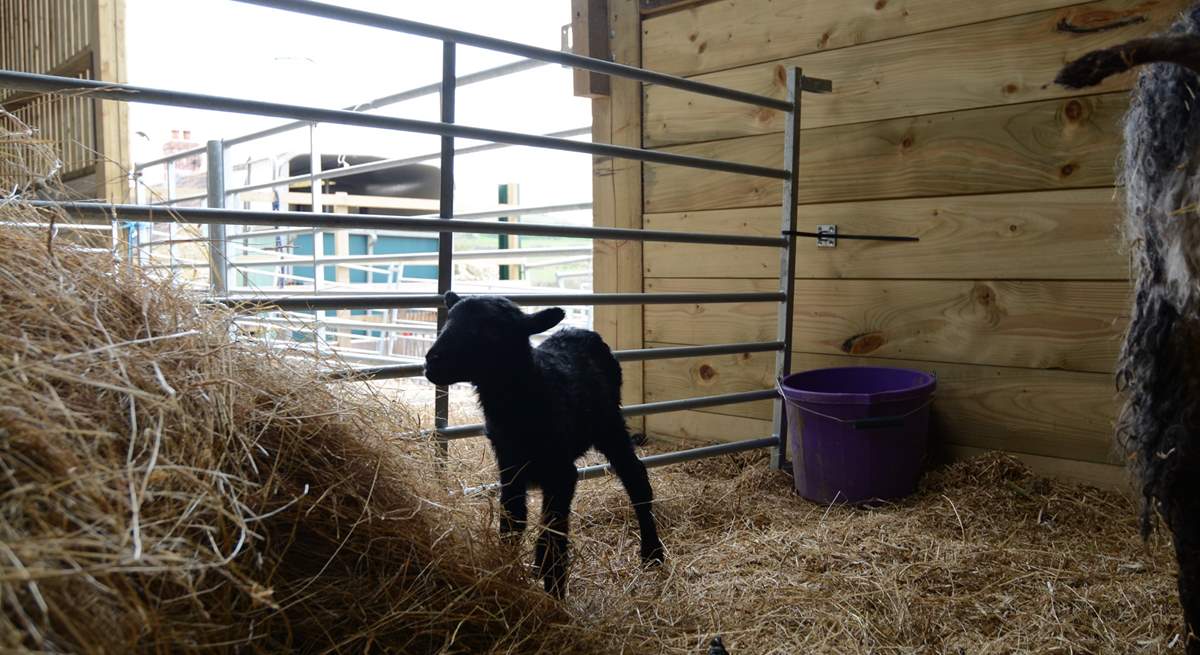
point(377, 103)
point(638, 355)
point(382, 21)
point(127, 92)
point(204, 216)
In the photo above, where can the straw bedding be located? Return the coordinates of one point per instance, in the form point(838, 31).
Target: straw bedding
point(165, 487)
point(986, 558)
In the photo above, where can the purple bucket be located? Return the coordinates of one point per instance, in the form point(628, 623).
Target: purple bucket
point(857, 434)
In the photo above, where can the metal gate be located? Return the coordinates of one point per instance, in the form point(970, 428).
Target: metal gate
point(445, 224)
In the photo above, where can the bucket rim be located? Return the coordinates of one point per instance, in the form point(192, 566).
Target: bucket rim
point(800, 395)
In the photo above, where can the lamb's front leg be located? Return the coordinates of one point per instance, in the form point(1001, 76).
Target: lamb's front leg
point(514, 513)
point(552, 557)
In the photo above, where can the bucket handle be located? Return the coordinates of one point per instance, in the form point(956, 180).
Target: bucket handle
point(868, 423)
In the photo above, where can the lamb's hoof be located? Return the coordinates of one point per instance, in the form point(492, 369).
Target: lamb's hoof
point(717, 647)
point(653, 555)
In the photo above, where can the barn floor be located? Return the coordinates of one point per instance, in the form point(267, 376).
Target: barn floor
point(987, 558)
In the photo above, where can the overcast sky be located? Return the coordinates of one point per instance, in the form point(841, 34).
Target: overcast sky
point(222, 47)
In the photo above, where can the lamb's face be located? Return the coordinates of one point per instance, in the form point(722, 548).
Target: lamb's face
point(482, 335)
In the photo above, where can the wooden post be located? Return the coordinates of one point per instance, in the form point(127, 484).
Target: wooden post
point(509, 194)
point(112, 118)
point(617, 197)
point(590, 35)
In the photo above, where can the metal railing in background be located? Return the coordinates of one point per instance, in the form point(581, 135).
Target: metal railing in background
point(446, 224)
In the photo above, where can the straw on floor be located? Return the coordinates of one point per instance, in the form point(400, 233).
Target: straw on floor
point(986, 558)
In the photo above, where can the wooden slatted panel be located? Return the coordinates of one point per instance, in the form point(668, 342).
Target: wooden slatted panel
point(52, 37)
point(1033, 324)
point(1048, 413)
point(731, 33)
point(1043, 235)
point(1016, 294)
point(65, 124)
point(996, 63)
point(39, 36)
point(1055, 144)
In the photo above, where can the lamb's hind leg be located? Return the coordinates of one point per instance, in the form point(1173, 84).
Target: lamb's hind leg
point(617, 446)
point(551, 556)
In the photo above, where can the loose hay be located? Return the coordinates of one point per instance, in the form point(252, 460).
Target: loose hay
point(165, 487)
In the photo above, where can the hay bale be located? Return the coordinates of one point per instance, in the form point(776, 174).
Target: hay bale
point(168, 487)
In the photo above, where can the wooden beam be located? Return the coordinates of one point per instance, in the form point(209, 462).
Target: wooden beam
point(1053, 144)
point(617, 197)
point(1042, 235)
point(999, 62)
point(589, 31)
point(112, 118)
point(1049, 413)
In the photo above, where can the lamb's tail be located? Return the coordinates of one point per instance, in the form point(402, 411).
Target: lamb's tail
point(1094, 67)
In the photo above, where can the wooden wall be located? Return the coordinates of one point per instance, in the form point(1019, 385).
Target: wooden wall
point(82, 39)
point(945, 125)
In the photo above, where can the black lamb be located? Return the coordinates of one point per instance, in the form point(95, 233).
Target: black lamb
point(543, 408)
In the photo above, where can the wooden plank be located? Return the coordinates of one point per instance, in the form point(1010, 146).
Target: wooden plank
point(657, 7)
point(112, 118)
point(739, 32)
point(673, 379)
point(711, 323)
point(1104, 476)
point(617, 198)
point(1041, 235)
point(691, 428)
point(1056, 144)
point(1000, 62)
point(1065, 325)
point(1050, 413)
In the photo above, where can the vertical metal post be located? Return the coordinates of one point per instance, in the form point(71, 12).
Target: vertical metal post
point(316, 206)
point(217, 250)
point(445, 269)
point(787, 260)
point(170, 226)
point(138, 253)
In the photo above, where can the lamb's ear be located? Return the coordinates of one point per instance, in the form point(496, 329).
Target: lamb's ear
point(450, 299)
point(544, 320)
